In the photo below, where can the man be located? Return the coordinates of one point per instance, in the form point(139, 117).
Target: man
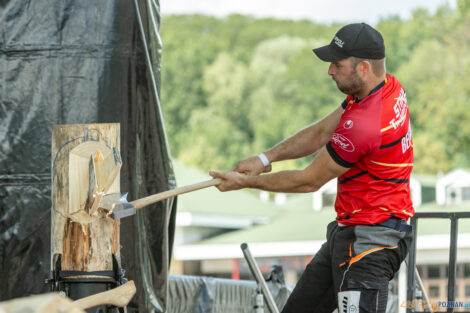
point(366, 143)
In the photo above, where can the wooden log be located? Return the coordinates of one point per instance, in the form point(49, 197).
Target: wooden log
point(47, 303)
point(85, 166)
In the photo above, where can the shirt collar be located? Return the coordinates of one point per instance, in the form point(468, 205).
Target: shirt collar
point(372, 91)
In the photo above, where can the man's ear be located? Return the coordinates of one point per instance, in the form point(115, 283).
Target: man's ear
point(365, 67)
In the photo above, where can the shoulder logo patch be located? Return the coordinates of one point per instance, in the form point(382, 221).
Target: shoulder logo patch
point(348, 124)
point(343, 142)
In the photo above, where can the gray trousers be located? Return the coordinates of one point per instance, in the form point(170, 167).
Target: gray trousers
point(352, 269)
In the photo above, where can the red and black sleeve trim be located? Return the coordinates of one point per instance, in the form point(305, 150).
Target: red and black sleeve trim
point(336, 157)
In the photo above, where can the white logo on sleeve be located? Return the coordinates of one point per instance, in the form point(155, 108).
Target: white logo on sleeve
point(401, 109)
point(348, 124)
point(406, 142)
point(343, 142)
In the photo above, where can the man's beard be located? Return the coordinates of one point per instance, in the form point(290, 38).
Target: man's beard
point(351, 85)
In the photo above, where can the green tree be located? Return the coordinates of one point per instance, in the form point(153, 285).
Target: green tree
point(225, 83)
point(234, 86)
point(438, 95)
point(213, 143)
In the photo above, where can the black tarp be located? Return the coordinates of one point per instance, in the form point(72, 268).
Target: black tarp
point(68, 62)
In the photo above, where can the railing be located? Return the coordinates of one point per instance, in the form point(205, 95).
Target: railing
point(454, 226)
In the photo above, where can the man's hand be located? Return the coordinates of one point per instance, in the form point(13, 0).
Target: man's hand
point(319, 172)
point(252, 166)
point(230, 180)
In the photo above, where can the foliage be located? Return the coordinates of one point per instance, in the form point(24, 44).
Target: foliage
point(235, 86)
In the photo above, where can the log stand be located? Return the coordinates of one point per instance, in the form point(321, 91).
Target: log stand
point(85, 247)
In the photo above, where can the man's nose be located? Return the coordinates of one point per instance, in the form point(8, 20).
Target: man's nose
point(331, 70)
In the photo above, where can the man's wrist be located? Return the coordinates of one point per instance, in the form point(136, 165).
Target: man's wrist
point(264, 159)
point(247, 181)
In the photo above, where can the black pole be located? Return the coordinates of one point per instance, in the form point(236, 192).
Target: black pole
point(452, 260)
point(411, 265)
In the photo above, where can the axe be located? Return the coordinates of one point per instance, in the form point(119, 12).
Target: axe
point(118, 206)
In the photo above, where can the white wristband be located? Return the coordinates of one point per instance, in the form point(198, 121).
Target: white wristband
point(263, 159)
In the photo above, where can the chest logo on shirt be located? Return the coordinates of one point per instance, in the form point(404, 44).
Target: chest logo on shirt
point(343, 142)
point(348, 124)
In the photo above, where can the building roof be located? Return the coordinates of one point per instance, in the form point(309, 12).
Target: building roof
point(298, 222)
point(298, 230)
point(457, 178)
point(294, 227)
point(425, 179)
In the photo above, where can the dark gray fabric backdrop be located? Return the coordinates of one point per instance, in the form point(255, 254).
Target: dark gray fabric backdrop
point(67, 62)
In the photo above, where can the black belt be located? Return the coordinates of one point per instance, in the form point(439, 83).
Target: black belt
point(397, 224)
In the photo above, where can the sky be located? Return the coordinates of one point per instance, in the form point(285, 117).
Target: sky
point(328, 11)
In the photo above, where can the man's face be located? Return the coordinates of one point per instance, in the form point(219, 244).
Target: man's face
point(345, 75)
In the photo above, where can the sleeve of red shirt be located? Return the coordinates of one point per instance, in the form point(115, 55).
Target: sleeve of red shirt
point(353, 138)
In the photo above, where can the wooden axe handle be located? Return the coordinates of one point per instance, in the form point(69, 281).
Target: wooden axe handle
point(140, 203)
point(119, 296)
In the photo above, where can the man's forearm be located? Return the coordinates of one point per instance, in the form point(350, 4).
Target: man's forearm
point(284, 181)
point(322, 169)
point(307, 141)
point(303, 143)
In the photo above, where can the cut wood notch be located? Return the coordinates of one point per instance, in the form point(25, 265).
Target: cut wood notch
point(97, 191)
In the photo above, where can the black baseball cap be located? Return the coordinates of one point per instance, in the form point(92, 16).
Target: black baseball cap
point(353, 40)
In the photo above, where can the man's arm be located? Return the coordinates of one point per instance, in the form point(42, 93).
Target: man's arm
point(303, 143)
point(322, 169)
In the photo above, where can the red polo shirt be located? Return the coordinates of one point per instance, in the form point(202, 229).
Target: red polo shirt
point(373, 138)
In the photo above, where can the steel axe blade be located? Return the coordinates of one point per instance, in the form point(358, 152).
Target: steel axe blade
point(117, 205)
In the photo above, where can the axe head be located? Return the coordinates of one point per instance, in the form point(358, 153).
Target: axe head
point(117, 205)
